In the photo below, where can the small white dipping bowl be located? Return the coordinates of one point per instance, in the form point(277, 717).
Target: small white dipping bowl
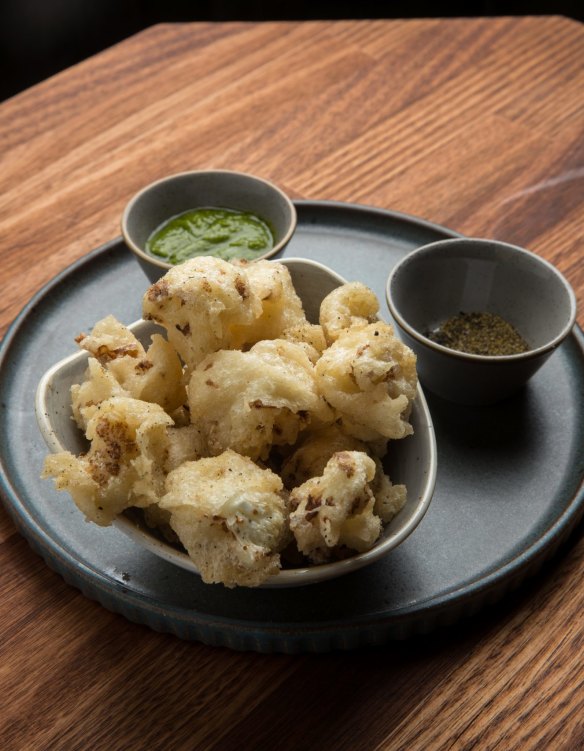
point(440, 280)
point(413, 459)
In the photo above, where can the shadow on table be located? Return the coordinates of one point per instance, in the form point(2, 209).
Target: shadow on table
point(318, 706)
point(157, 692)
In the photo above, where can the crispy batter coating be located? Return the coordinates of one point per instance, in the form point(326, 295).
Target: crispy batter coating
point(336, 509)
point(310, 336)
point(281, 308)
point(120, 366)
point(250, 401)
point(185, 443)
point(389, 498)
point(99, 385)
point(124, 465)
point(313, 454)
point(230, 516)
point(199, 303)
point(369, 377)
point(351, 304)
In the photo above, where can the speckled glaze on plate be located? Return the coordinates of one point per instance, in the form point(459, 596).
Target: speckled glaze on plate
point(508, 489)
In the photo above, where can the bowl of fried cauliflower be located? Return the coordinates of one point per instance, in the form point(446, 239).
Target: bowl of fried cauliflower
point(260, 426)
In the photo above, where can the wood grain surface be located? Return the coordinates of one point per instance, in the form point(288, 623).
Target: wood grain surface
point(477, 124)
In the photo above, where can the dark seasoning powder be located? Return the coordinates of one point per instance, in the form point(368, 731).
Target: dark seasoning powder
point(479, 334)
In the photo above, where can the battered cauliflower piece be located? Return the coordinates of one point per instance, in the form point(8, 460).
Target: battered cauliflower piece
point(281, 308)
point(199, 303)
point(250, 401)
point(336, 509)
point(351, 304)
point(310, 336)
point(389, 498)
point(230, 516)
point(120, 366)
point(99, 385)
point(124, 465)
point(185, 443)
point(369, 377)
point(312, 455)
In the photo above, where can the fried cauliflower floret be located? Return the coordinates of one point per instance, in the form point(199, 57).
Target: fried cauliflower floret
point(369, 377)
point(313, 454)
point(99, 385)
point(124, 465)
point(110, 340)
point(351, 304)
point(310, 336)
point(281, 308)
point(389, 498)
point(185, 443)
point(249, 401)
point(230, 516)
point(336, 509)
point(199, 302)
point(153, 376)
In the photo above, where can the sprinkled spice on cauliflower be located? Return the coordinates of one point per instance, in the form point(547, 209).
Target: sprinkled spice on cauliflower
point(124, 465)
point(251, 401)
point(369, 377)
point(230, 516)
point(336, 509)
point(199, 302)
point(120, 366)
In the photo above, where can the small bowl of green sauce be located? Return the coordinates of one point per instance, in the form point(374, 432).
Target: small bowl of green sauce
point(481, 315)
point(222, 213)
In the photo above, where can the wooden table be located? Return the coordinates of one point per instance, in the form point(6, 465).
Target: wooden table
point(476, 124)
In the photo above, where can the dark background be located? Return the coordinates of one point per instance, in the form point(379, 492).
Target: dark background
point(40, 37)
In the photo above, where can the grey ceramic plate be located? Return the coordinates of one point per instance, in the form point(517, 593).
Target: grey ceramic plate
point(508, 490)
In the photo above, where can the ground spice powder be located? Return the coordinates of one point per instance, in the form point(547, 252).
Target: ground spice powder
point(479, 334)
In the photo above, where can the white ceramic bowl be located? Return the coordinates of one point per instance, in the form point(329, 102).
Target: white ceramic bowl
point(413, 459)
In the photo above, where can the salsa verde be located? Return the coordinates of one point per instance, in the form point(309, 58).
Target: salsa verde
point(223, 233)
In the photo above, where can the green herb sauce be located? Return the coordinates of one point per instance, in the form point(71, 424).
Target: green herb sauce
point(479, 334)
point(210, 231)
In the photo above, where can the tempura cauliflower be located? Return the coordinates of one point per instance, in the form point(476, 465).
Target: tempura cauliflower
point(311, 455)
point(389, 498)
point(120, 366)
point(199, 303)
point(336, 509)
point(351, 304)
point(369, 377)
point(250, 401)
point(281, 307)
point(185, 428)
point(230, 516)
point(310, 336)
point(314, 452)
point(125, 464)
